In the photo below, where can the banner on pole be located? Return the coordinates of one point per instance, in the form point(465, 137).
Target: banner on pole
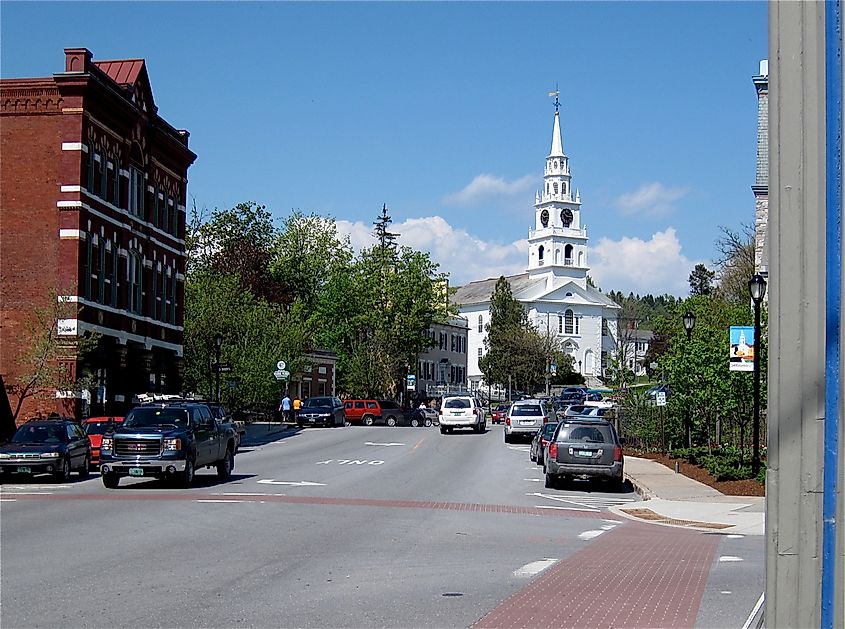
point(742, 348)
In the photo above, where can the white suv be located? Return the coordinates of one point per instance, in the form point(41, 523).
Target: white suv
point(526, 417)
point(461, 411)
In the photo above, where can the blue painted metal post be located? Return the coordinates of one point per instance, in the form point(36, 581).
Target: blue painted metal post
point(833, 303)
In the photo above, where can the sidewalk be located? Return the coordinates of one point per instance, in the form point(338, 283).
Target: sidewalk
point(673, 499)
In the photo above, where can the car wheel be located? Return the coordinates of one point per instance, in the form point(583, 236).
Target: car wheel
point(551, 481)
point(111, 480)
point(427, 423)
point(391, 421)
point(225, 465)
point(539, 459)
point(415, 422)
point(187, 477)
point(86, 468)
point(368, 420)
point(63, 473)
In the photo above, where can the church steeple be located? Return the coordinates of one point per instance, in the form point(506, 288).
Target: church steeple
point(558, 242)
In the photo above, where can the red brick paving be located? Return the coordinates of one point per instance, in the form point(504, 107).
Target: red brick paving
point(632, 576)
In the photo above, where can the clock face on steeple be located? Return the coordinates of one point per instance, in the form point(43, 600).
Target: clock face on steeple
point(566, 217)
point(544, 218)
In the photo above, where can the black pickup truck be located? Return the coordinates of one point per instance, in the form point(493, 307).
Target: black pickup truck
point(167, 440)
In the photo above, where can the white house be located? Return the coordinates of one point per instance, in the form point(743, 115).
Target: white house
point(554, 288)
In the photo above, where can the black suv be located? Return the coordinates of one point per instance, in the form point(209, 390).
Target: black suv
point(167, 440)
point(584, 447)
point(53, 446)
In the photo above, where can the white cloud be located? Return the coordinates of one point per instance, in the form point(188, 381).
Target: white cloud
point(654, 266)
point(464, 257)
point(651, 199)
point(485, 187)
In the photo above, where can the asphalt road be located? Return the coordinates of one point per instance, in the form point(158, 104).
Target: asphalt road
point(358, 527)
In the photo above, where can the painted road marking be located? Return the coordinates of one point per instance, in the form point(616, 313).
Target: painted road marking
point(520, 448)
point(374, 443)
point(31, 493)
point(589, 502)
point(246, 493)
point(227, 501)
point(7, 500)
point(589, 534)
point(299, 483)
point(565, 508)
point(351, 462)
point(735, 536)
point(754, 611)
point(535, 567)
point(729, 558)
point(533, 480)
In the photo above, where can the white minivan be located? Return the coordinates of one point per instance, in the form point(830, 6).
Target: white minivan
point(461, 411)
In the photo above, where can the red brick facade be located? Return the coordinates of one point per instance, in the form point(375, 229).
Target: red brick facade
point(92, 214)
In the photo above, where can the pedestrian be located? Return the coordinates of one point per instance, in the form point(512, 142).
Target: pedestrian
point(297, 404)
point(285, 408)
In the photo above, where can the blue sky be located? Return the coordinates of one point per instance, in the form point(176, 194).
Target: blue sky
point(441, 111)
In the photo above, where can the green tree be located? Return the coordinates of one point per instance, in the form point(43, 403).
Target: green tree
point(701, 281)
point(735, 262)
point(504, 357)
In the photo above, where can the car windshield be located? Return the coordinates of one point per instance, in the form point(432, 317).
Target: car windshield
point(140, 417)
point(549, 430)
point(526, 409)
point(99, 428)
point(456, 402)
point(580, 433)
point(502, 407)
point(40, 434)
point(317, 401)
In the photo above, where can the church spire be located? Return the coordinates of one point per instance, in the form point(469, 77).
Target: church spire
point(557, 143)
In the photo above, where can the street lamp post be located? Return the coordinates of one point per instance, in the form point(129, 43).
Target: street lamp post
point(757, 288)
point(218, 341)
point(689, 324)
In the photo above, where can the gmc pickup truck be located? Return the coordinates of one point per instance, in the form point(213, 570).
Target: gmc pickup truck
point(169, 440)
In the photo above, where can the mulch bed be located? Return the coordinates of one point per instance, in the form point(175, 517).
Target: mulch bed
point(747, 487)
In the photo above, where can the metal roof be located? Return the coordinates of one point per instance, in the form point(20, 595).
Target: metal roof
point(122, 71)
point(481, 291)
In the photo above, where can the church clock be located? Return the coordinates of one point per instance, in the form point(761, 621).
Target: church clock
point(566, 217)
point(544, 218)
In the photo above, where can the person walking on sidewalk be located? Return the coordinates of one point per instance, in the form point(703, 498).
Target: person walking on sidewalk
point(297, 404)
point(285, 408)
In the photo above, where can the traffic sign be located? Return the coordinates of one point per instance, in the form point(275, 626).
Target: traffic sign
point(661, 398)
point(411, 382)
point(281, 365)
point(223, 367)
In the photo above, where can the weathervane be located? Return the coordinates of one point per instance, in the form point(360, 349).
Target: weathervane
point(556, 94)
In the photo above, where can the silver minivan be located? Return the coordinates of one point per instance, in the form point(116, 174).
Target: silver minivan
point(526, 417)
point(461, 411)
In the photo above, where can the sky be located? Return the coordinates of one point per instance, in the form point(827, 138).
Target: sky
point(440, 110)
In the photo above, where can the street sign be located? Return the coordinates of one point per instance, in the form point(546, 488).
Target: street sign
point(281, 374)
point(553, 369)
point(661, 398)
point(281, 365)
point(223, 367)
point(411, 382)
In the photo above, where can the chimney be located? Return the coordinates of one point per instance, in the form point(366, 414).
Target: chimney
point(77, 59)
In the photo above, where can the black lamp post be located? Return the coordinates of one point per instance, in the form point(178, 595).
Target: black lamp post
point(218, 341)
point(757, 288)
point(689, 324)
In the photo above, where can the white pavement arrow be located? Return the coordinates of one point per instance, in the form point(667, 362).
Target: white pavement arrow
point(372, 443)
point(301, 483)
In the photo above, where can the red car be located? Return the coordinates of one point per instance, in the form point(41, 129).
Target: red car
point(95, 428)
point(499, 413)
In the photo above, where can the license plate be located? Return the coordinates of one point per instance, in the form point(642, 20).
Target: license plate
point(136, 471)
point(456, 413)
point(25, 470)
point(584, 453)
point(526, 422)
point(311, 419)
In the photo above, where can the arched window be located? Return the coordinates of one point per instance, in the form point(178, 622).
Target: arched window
point(563, 187)
point(557, 256)
point(567, 255)
point(554, 186)
point(589, 362)
point(580, 258)
point(135, 275)
point(555, 163)
point(569, 322)
point(480, 323)
point(540, 253)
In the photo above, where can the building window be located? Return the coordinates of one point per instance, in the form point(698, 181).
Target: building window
point(174, 215)
point(559, 324)
point(114, 259)
point(577, 325)
point(136, 192)
point(604, 332)
point(540, 253)
point(453, 343)
point(563, 187)
point(89, 168)
point(101, 272)
point(163, 303)
point(89, 261)
point(568, 317)
point(554, 187)
point(480, 352)
point(480, 323)
point(567, 255)
point(173, 300)
point(135, 273)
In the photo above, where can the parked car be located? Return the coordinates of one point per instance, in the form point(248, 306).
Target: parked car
point(371, 412)
point(575, 396)
point(95, 428)
point(580, 410)
point(497, 415)
point(322, 410)
point(418, 417)
point(526, 417)
point(461, 411)
point(47, 446)
point(540, 441)
point(583, 447)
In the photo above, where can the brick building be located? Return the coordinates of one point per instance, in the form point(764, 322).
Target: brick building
point(92, 214)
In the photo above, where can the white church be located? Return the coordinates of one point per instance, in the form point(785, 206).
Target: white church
point(554, 289)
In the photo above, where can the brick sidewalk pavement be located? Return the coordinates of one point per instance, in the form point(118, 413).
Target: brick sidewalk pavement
point(632, 576)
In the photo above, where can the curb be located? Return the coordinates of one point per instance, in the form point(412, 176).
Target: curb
point(640, 489)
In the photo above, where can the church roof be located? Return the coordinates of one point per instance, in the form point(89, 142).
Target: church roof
point(557, 143)
point(601, 298)
point(481, 291)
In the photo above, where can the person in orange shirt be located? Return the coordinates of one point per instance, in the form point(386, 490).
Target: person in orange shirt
point(297, 404)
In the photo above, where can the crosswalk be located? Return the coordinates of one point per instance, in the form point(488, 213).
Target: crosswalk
point(579, 501)
point(8, 492)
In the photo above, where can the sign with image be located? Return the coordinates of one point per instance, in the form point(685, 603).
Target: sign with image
point(742, 348)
